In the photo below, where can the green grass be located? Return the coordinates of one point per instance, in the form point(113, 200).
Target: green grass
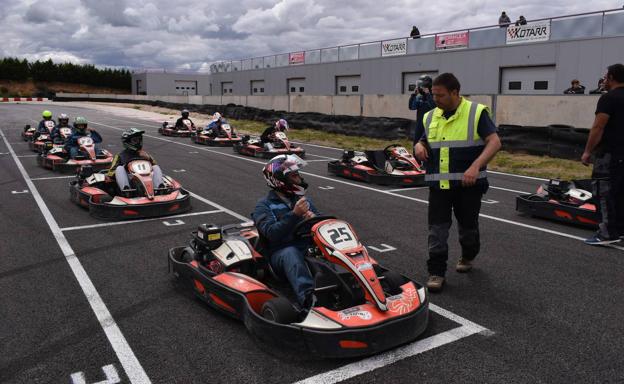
point(518, 163)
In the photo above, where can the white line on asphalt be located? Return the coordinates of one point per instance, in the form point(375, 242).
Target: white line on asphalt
point(28, 156)
point(66, 229)
point(510, 190)
point(222, 208)
point(514, 175)
point(379, 361)
point(336, 180)
point(122, 349)
point(53, 177)
point(313, 161)
point(322, 157)
point(406, 189)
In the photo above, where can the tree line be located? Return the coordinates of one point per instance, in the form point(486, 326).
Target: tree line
point(22, 70)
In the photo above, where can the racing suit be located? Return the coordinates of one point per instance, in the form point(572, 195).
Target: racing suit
point(214, 127)
point(72, 147)
point(180, 123)
point(56, 133)
point(118, 167)
point(42, 129)
point(275, 220)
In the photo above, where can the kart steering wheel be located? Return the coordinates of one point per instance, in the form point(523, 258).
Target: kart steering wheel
point(391, 146)
point(302, 229)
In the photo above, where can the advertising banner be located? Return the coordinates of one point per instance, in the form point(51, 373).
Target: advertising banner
point(296, 58)
point(529, 33)
point(452, 40)
point(394, 47)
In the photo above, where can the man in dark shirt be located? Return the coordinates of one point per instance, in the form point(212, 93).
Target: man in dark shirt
point(575, 89)
point(606, 144)
point(415, 33)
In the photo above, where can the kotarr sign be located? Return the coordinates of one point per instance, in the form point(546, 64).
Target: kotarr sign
point(529, 33)
point(394, 47)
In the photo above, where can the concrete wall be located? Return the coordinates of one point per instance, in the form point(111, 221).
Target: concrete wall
point(577, 111)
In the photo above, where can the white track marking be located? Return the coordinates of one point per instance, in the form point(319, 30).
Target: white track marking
point(509, 190)
point(336, 180)
point(514, 175)
point(319, 156)
point(20, 156)
point(53, 178)
point(175, 223)
point(109, 371)
point(318, 146)
point(383, 248)
point(222, 208)
point(406, 189)
point(318, 160)
point(379, 361)
point(124, 353)
point(114, 223)
point(19, 192)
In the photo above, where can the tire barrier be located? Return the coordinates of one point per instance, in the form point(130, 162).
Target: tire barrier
point(559, 141)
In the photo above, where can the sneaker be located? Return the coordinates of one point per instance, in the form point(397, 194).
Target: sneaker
point(435, 283)
point(463, 265)
point(597, 240)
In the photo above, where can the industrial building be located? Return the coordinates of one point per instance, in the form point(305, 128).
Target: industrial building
point(540, 58)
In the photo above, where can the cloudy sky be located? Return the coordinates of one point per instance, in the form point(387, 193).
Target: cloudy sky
point(188, 34)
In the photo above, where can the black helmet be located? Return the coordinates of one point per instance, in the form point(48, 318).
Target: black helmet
point(425, 81)
point(132, 139)
point(185, 113)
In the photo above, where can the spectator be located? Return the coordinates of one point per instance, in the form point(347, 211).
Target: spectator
point(600, 89)
point(415, 34)
point(604, 145)
point(575, 89)
point(521, 21)
point(504, 20)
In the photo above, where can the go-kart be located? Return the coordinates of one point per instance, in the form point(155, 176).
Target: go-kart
point(58, 159)
point(226, 137)
point(167, 129)
point(279, 145)
point(28, 132)
point(564, 201)
point(38, 142)
point(361, 308)
point(44, 141)
point(393, 165)
point(100, 194)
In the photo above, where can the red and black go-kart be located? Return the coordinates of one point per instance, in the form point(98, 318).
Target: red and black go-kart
point(564, 201)
point(226, 137)
point(28, 132)
point(44, 141)
point(393, 165)
point(361, 307)
point(57, 159)
point(279, 145)
point(167, 129)
point(100, 194)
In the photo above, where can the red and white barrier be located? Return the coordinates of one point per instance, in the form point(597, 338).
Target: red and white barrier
point(21, 99)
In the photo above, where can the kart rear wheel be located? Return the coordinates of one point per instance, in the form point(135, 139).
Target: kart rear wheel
point(392, 281)
point(279, 310)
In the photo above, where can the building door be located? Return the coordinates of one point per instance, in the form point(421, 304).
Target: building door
point(528, 80)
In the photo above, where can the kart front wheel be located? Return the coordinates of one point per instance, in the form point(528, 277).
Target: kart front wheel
point(279, 310)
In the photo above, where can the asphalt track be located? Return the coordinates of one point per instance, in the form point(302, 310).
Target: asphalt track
point(83, 303)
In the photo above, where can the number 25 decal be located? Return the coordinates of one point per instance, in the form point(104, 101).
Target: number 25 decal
point(339, 235)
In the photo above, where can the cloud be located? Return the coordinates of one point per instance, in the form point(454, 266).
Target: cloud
point(191, 34)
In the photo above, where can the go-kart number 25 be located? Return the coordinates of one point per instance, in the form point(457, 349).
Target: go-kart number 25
point(339, 235)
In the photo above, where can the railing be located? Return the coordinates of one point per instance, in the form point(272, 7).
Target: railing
point(590, 24)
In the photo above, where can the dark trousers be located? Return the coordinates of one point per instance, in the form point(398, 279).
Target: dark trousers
point(465, 203)
point(608, 185)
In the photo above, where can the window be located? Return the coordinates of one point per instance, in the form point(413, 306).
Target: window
point(411, 87)
point(225, 91)
point(261, 90)
point(515, 85)
point(343, 88)
point(355, 88)
point(177, 87)
point(293, 89)
point(540, 85)
point(255, 90)
point(192, 87)
point(301, 89)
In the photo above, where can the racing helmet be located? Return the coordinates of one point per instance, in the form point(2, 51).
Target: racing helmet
point(217, 116)
point(276, 173)
point(185, 113)
point(47, 115)
point(281, 125)
point(425, 81)
point(80, 123)
point(63, 119)
point(132, 139)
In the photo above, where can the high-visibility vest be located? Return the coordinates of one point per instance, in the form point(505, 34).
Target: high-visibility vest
point(455, 144)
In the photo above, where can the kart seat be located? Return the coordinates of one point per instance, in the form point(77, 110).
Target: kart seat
point(377, 158)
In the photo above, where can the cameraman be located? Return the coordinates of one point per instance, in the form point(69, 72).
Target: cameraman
point(421, 101)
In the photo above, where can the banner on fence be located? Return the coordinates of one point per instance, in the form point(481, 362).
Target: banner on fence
point(296, 58)
point(452, 40)
point(394, 47)
point(529, 33)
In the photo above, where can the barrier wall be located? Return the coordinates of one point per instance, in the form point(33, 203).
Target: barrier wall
point(522, 110)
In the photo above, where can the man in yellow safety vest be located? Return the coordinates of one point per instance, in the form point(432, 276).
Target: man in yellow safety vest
point(458, 142)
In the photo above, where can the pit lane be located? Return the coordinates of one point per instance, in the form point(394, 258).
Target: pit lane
point(127, 265)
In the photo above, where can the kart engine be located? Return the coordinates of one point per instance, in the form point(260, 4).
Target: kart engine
point(218, 254)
